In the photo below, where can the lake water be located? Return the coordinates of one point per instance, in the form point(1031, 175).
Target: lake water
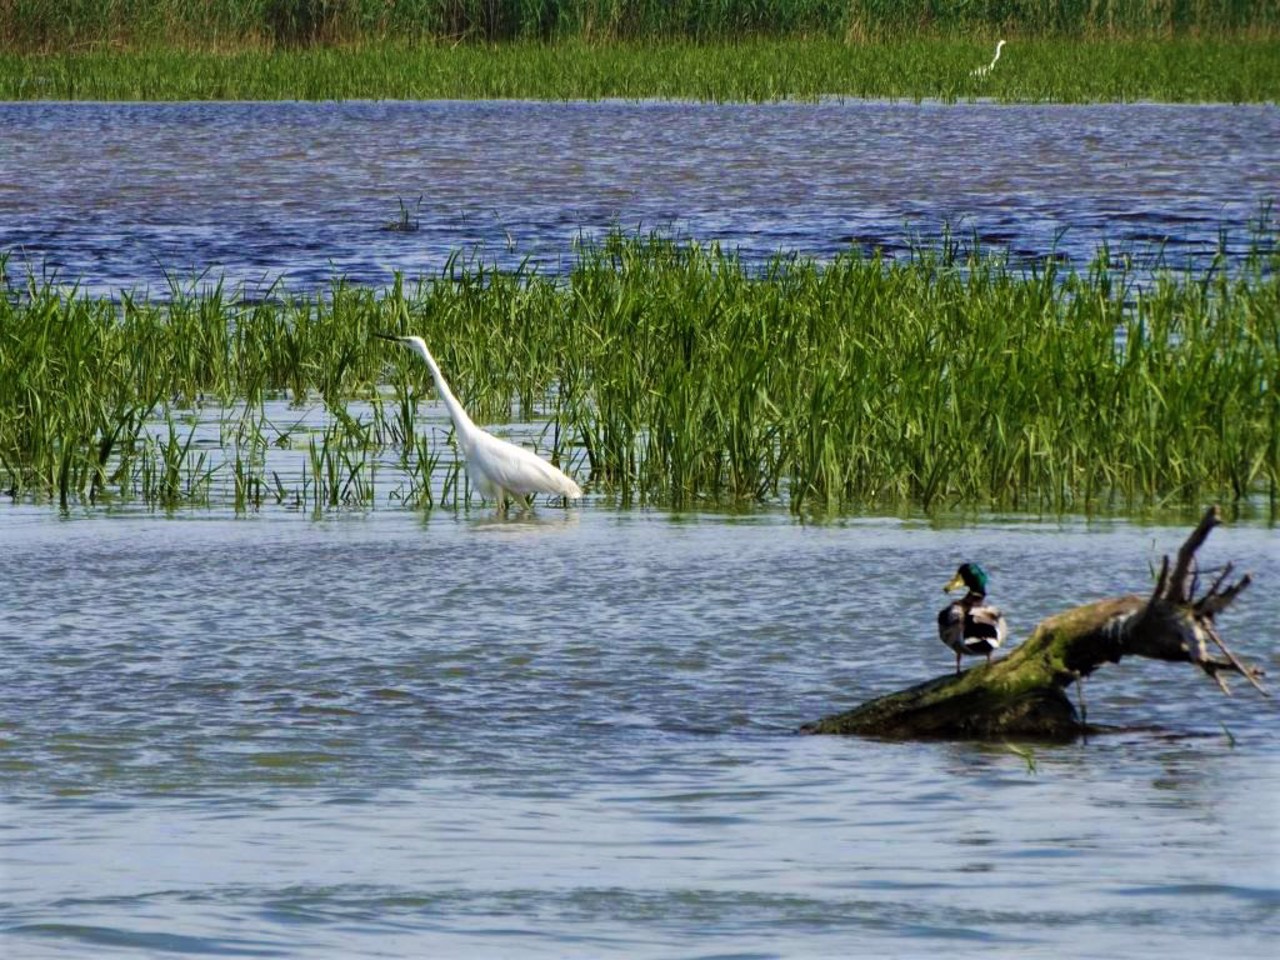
point(573, 735)
point(388, 733)
point(129, 196)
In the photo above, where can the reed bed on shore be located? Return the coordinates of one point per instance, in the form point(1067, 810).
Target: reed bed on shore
point(1062, 70)
point(667, 372)
point(58, 24)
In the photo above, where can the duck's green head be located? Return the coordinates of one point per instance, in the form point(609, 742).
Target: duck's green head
point(969, 575)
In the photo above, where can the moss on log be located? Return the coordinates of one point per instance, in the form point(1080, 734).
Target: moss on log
point(1024, 694)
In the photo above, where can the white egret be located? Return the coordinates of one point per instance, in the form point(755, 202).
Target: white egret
point(983, 71)
point(498, 469)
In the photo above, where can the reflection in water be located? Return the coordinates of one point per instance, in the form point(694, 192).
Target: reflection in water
point(542, 519)
point(139, 196)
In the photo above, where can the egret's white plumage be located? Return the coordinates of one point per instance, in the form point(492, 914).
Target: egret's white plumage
point(499, 469)
point(983, 71)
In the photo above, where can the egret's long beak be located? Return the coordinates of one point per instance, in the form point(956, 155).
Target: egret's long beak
point(388, 336)
point(955, 583)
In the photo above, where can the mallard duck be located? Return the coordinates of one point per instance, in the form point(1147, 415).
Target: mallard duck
point(970, 625)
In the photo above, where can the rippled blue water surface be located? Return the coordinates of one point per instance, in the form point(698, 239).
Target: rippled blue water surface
point(383, 733)
point(127, 196)
point(573, 734)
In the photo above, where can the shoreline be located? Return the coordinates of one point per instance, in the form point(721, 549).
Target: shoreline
point(1210, 71)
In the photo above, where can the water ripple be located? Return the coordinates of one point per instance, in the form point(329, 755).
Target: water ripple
point(353, 739)
point(142, 196)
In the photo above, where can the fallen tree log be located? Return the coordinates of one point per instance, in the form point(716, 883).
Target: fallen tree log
point(1024, 694)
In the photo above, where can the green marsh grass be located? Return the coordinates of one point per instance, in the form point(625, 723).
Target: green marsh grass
point(46, 24)
point(1181, 69)
point(666, 372)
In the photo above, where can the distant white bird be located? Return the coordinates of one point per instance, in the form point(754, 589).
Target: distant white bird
point(500, 470)
point(983, 71)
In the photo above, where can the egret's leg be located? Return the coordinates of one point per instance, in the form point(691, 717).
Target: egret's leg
point(957, 663)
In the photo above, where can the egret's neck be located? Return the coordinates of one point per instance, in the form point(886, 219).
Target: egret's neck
point(461, 421)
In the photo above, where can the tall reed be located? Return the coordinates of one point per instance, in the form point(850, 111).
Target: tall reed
point(668, 372)
point(60, 24)
point(1193, 69)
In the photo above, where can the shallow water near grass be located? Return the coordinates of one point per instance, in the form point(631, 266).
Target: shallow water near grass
point(134, 196)
point(573, 734)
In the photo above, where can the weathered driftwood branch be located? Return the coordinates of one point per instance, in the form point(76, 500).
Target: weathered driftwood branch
point(1025, 693)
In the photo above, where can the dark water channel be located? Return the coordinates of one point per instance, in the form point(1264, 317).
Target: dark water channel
point(123, 196)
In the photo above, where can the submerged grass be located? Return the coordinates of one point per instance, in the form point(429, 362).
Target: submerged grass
point(675, 375)
point(1184, 69)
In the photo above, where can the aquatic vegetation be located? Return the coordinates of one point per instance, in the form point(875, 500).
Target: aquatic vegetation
point(933, 381)
point(1066, 50)
point(404, 222)
point(1179, 69)
point(663, 371)
point(46, 24)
